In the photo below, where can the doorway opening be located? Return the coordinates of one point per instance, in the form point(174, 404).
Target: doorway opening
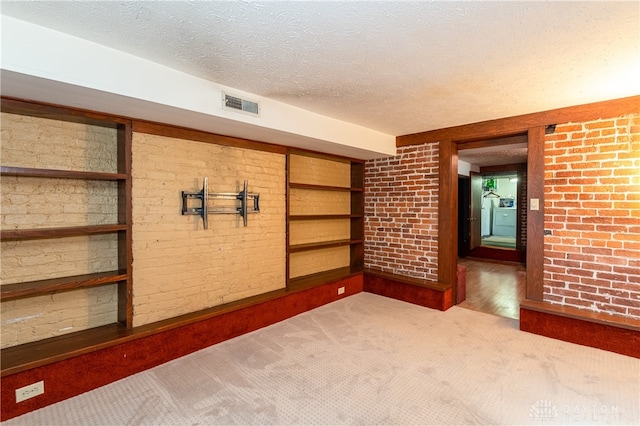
point(492, 225)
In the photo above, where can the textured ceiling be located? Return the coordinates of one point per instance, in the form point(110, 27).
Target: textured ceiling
point(496, 155)
point(397, 67)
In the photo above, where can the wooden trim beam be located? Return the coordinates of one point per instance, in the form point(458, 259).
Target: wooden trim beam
point(535, 218)
point(200, 136)
point(512, 126)
point(448, 214)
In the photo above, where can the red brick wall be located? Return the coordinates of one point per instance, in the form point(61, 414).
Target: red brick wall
point(592, 209)
point(401, 212)
point(523, 205)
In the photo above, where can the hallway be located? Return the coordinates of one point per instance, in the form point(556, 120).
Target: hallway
point(494, 287)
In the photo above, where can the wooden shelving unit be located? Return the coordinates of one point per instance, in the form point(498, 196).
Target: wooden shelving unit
point(73, 231)
point(40, 287)
point(121, 228)
point(355, 241)
point(61, 174)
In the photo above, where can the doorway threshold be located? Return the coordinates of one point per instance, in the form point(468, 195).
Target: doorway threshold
point(509, 255)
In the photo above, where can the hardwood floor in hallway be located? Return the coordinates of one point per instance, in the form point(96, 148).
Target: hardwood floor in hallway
point(494, 287)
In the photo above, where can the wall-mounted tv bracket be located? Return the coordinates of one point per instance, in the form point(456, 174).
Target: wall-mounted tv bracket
point(249, 203)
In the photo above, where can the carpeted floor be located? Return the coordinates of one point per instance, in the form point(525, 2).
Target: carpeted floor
point(370, 360)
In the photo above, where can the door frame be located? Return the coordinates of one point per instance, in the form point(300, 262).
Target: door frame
point(534, 125)
point(475, 229)
point(448, 208)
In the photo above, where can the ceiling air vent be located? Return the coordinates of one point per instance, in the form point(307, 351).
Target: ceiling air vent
point(235, 103)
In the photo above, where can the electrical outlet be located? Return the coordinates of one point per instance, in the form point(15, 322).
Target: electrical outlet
point(340, 290)
point(29, 391)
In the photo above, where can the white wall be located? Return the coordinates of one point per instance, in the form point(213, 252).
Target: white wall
point(46, 65)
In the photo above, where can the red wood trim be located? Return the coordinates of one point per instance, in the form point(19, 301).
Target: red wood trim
point(419, 292)
point(505, 255)
point(580, 327)
point(70, 377)
point(200, 136)
point(535, 219)
point(59, 112)
point(519, 124)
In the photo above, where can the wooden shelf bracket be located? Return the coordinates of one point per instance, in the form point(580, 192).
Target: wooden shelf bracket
point(249, 203)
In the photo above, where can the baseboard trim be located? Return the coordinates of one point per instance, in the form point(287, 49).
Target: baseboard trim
point(606, 332)
point(419, 292)
point(74, 376)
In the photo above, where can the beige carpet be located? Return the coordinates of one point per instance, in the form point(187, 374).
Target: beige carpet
point(368, 360)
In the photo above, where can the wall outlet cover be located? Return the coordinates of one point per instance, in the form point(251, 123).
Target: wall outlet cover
point(29, 391)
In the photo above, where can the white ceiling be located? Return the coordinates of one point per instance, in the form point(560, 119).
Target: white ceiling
point(396, 67)
point(495, 155)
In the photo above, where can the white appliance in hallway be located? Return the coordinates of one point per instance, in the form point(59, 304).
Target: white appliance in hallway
point(504, 218)
point(485, 220)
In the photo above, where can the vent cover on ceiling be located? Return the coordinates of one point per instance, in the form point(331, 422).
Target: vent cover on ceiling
point(235, 103)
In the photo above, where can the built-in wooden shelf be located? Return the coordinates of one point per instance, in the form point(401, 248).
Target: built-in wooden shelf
point(322, 244)
point(36, 354)
point(27, 356)
point(30, 355)
point(60, 174)
point(40, 287)
point(324, 277)
point(74, 231)
point(353, 212)
point(324, 216)
point(318, 187)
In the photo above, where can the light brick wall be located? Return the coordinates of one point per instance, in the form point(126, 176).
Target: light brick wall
point(53, 144)
point(304, 232)
point(311, 262)
point(592, 208)
point(29, 203)
point(311, 202)
point(319, 171)
point(401, 212)
point(178, 266)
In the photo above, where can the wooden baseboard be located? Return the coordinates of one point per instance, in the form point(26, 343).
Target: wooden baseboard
point(419, 292)
point(506, 255)
point(615, 334)
point(71, 377)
